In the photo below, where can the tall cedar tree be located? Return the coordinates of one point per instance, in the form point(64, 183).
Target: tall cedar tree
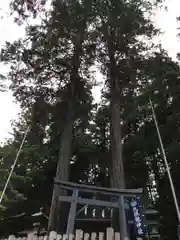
point(55, 69)
point(74, 17)
point(119, 26)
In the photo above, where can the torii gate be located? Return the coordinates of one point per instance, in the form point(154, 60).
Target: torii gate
point(74, 199)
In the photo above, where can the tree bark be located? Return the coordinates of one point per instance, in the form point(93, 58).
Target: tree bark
point(117, 169)
point(62, 173)
point(117, 179)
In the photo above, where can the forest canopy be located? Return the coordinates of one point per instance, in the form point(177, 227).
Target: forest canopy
point(113, 143)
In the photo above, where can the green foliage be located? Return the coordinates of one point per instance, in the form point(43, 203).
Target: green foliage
point(48, 62)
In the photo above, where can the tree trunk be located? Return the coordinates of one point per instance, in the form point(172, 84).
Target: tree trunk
point(62, 173)
point(117, 168)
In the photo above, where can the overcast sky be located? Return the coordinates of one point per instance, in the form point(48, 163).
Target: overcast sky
point(10, 31)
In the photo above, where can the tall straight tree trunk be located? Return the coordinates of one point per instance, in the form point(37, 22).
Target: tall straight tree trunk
point(117, 176)
point(117, 168)
point(62, 173)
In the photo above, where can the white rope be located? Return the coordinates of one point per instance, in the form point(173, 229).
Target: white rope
point(14, 164)
point(166, 163)
point(80, 210)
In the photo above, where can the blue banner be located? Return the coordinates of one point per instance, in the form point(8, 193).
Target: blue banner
point(139, 220)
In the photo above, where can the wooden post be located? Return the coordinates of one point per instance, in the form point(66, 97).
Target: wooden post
point(117, 236)
point(101, 236)
point(31, 236)
point(109, 234)
point(72, 212)
point(65, 237)
point(79, 235)
point(122, 219)
point(93, 236)
point(11, 237)
point(46, 237)
point(52, 235)
point(86, 236)
point(59, 237)
point(71, 236)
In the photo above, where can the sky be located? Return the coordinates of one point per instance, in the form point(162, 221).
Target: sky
point(9, 31)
